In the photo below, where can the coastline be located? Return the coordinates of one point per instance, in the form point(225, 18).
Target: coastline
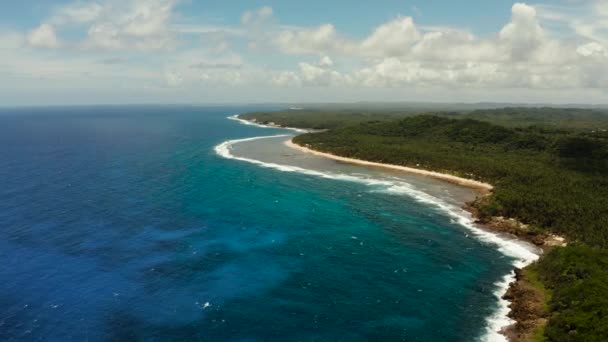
point(525, 302)
point(502, 225)
point(469, 183)
point(518, 317)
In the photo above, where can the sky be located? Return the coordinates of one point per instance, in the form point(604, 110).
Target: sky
point(64, 52)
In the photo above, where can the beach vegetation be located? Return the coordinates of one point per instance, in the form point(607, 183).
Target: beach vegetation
point(550, 172)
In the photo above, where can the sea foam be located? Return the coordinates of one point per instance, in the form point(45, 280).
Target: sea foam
point(522, 253)
point(251, 123)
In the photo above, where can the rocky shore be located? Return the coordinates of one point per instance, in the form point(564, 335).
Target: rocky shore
point(527, 296)
point(528, 300)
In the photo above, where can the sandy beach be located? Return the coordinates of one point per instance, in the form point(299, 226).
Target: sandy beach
point(480, 186)
point(518, 316)
point(522, 298)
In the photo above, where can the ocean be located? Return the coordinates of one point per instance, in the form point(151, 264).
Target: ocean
point(176, 223)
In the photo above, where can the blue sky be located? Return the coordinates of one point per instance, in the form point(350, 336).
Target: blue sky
point(488, 16)
point(188, 51)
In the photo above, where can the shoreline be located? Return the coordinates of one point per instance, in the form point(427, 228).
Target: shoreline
point(482, 187)
point(523, 299)
point(518, 292)
point(501, 225)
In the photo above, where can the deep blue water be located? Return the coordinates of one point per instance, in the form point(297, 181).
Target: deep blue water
point(122, 223)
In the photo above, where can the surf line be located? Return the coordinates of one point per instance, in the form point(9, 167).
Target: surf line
point(252, 123)
point(523, 254)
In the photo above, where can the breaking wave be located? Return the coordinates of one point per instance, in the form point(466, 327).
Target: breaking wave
point(251, 123)
point(522, 253)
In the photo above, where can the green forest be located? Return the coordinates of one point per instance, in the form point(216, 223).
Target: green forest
point(552, 118)
point(549, 168)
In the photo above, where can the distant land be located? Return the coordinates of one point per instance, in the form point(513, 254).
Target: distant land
point(448, 106)
point(345, 106)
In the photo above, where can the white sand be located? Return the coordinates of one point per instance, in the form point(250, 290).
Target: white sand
point(484, 187)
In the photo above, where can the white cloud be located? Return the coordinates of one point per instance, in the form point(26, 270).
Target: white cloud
point(522, 55)
point(43, 37)
point(114, 24)
point(312, 75)
point(540, 47)
point(523, 34)
point(77, 13)
point(148, 18)
point(592, 49)
point(315, 40)
point(286, 79)
point(587, 19)
point(394, 38)
point(326, 62)
point(257, 17)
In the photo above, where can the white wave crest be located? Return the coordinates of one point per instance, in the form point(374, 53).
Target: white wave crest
point(251, 123)
point(500, 320)
point(522, 253)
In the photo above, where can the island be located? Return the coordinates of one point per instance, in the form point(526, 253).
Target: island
point(542, 175)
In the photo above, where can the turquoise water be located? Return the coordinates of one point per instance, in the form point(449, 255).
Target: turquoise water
point(124, 223)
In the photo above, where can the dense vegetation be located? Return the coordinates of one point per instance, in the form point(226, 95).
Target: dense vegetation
point(551, 173)
point(568, 118)
point(548, 178)
point(317, 119)
point(550, 118)
point(578, 277)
